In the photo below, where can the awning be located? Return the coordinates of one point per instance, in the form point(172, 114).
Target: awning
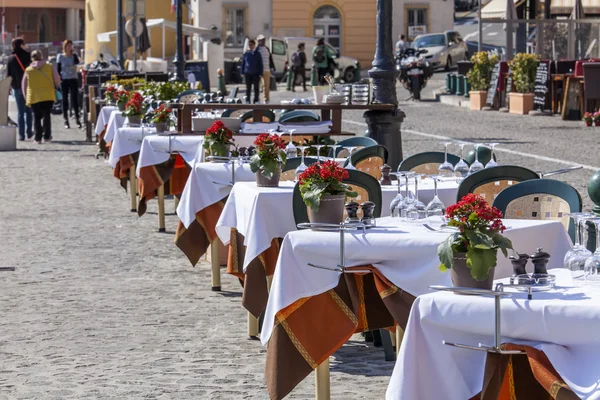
point(565, 7)
point(496, 9)
point(189, 30)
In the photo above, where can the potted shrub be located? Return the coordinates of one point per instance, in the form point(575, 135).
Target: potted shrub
point(121, 97)
point(523, 69)
point(479, 77)
point(134, 109)
point(218, 139)
point(324, 193)
point(596, 116)
point(110, 94)
point(161, 117)
point(471, 252)
point(588, 118)
point(268, 158)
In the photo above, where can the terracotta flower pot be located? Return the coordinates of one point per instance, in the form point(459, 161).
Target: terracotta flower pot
point(161, 127)
point(520, 103)
point(262, 181)
point(121, 106)
point(331, 210)
point(588, 123)
point(219, 150)
point(135, 120)
point(461, 274)
point(477, 98)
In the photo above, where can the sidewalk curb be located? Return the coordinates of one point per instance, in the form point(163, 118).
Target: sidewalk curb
point(452, 100)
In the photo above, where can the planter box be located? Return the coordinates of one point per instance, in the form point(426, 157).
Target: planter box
point(520, 103)
point(8, 138)
point(478, 98)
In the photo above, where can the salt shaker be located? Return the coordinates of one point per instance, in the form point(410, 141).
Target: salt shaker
point(385, 175)
point(519, 265)
point(540, 260)
point(352, 212)
point(368, 208)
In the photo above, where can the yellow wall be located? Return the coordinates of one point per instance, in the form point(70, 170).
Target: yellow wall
point(358, 23)
point(101, 16)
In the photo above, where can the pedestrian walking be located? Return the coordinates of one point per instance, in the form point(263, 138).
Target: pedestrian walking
point(252, 70)
point(66, 63)
point(322, 58)
point(268, 66)
point(39, 85)
point(299, 66)
point(402, 45)
point(15, 68)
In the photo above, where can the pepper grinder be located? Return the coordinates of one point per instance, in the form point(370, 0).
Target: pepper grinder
point(540, 260)
point(385, 175)
point(368, 208)
point(352, 212)
point(519, 265)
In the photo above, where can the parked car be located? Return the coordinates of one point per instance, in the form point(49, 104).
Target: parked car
point(444, 50)
point(464, 5)
point(283, 48)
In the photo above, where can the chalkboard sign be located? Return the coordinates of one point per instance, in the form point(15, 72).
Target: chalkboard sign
point(508, 87)
point(493, 85)
point(200, 71)
point(541, 86)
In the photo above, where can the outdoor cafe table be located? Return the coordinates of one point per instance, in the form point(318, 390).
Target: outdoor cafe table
point(103, 118)
point(115, 121)
point(312, 312)
point(165, 159)
point(558, 330)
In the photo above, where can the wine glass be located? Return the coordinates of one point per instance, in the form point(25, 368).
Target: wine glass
point(416, 209)
point(446, 168)
point(334, 148)
point(396, 200)
point(492, 162)
point(477, 165)
point(291, 150)
point(400, 210)
point(350, 151)
point(592, 264)
point(575, 258)
point(461, 167)
point(302, 167)
point(319, 147)
point(435, 210)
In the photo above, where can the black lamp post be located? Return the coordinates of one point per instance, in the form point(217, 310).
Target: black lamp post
point(384, 126)
point(120, 58)
point(179, 61)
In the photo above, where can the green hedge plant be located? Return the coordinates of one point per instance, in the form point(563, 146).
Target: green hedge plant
point(523, 69)
point(480, 74)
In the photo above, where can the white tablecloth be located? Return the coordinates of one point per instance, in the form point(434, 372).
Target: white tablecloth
point(405, 254)
point(127, 141)
point(563, 323)
point(155, 149)
point(103, 118)
point(200, 190)
point(250, 210)
point(115, 121)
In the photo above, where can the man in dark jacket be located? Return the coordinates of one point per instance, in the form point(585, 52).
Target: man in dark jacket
point(252, 70)
point(15, 68)
point(299, 66)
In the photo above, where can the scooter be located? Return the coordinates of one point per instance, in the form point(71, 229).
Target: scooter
point(414, 71)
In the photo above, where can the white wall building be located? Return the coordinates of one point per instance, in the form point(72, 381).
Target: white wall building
point(413, 18)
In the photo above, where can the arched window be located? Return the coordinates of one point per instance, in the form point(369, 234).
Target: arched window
point(327, 23)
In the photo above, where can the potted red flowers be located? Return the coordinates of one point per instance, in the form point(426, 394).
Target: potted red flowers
point(121, 97)
point(471, 252)
point(268, 159)
point(161, 117)
point(324, 193)
point(588, 118)
point(218, 139)
point(134, 109)
point(110, 94)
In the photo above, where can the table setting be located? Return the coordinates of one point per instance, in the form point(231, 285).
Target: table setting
point(115, 121)
point(103, 118)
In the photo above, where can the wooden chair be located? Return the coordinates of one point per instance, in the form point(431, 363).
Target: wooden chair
point(484, 155)
point(426, 163)
point(189, 96)
point(540, 199)
point(491, 181)
point(358, 141)
point(591, 85)
point(289, 170)
point(299, 116)
point(369, 160)
point(268, 116)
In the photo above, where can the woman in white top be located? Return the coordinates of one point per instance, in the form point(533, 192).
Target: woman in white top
point(67, 68)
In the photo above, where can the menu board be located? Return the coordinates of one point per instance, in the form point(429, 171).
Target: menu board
point(541, 86)
point(493, 86)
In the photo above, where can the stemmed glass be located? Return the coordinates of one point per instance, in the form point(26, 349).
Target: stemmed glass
point(435, 210)
point(290, 149)
point(400, 210)
point(462, 167)
point(302, 167)
point(319, 147)
point(575, 258)
point(416, 209)
point(446, 168)
point(396, 200)
point(477, 165)
point(492, 162)
point(350, 151)
point(592, 264)
point(334, 148)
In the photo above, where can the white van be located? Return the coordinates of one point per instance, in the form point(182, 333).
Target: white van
point(283, 48)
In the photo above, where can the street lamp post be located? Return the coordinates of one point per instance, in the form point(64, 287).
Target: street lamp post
point(120, 59)
point(479, 26)
point(179, 61)
point(384, 126)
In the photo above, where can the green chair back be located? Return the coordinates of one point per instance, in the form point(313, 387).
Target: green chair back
point(368, 189)
point(484, 155)
point(189, 96)
point(268, 116)
point(491, 181)
point(542, 199)
point(299, 116)
point(369, 160)
point(288, 173)
point(358, 141)
point(426, 163)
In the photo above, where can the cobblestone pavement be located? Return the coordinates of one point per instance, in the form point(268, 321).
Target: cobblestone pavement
point(103, 306)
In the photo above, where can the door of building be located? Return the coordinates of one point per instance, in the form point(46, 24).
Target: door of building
point(416, 22)
point(327, 24)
